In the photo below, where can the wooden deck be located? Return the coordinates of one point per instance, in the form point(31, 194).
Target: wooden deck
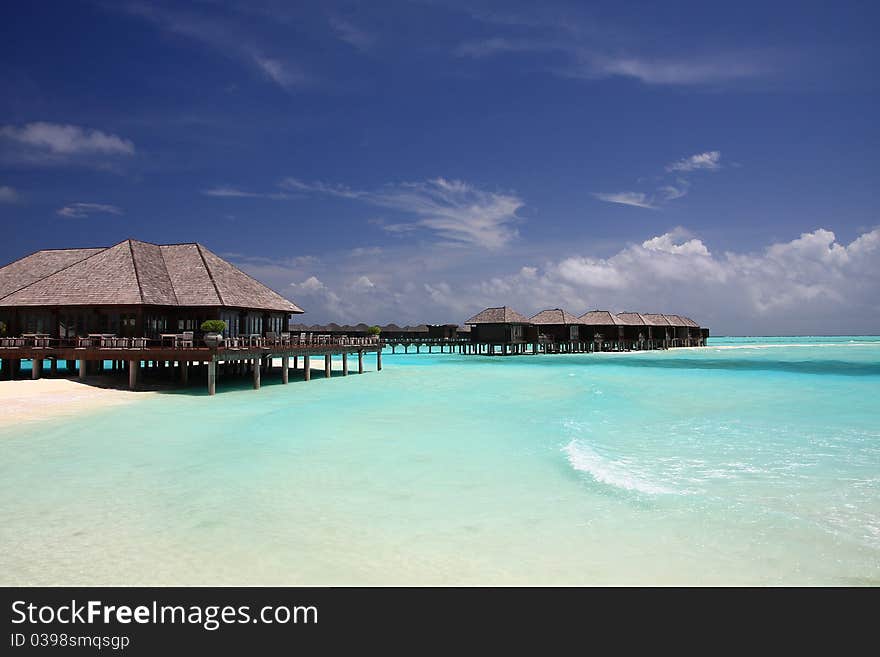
point(188, 360)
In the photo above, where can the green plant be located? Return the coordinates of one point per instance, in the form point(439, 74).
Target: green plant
point(213, 326)
point(374, 330)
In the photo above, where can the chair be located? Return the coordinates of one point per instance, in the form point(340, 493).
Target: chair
point(271, 337)
point(185, 339)
point(285, 338)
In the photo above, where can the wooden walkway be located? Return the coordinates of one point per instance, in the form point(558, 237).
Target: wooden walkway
point(187, 361)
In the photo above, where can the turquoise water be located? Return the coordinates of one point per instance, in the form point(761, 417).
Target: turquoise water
point(747, 462)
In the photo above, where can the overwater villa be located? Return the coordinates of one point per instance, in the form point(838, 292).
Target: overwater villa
point(502, 328)
point(558, 330)
point(138, 305)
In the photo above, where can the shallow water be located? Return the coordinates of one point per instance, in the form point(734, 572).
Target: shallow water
point(746, 462)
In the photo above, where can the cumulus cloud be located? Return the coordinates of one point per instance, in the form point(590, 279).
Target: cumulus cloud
point(46, 143)
point(8, 194)
point(710, 160)
point(80, 210)
point(810, 284)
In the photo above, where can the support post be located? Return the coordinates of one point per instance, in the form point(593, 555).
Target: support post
point(285, 364)
point(184, 372)
point(327, 365)
point(379, 359)
point(36, 368)
point(344, 364)
point(360, 361)
point(307, 367)
point(295, 362)
point(82, 368)
point(53, 367)
point(212, 377)
point(133, 368)
point(257, 368)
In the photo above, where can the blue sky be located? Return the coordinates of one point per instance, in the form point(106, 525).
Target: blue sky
point(417, 161)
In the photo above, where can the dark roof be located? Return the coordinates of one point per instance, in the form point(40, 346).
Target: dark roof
point(554, 316)
point(599, 318)
point(675, 320)
point(632, 319)
point(689, 322)
point(655, 319)
point(134, 273)
point(502, 315)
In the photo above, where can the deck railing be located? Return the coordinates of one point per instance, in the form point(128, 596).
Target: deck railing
point(180, 341)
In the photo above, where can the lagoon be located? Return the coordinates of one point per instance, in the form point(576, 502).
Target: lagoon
point(751, 461)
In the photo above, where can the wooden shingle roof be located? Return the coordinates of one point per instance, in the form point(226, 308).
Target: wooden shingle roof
point(675, 320)
point(501, 315)
point(554, 316)
point(599, 318)
point(632, 319)
point(32, 268)
point(135, 273)
point(655, 319)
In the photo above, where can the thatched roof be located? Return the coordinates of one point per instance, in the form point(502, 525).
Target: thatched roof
point(599, 318)
point(502, 315)
point(134, 273)
point(554, 316)
point(655, 319)
point(631, 319)
point(689, 322)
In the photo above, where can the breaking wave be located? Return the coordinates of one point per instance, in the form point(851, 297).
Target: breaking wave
point(610, 472)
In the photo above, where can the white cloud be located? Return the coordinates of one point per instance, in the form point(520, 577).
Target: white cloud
point(80, 210)
point(283, 74)
point(234, 192)
point(812, 284)
point(697, 69)
point(710, 160)
point(637, 199)
point(452, 209)
point(47, 143)
point(351, 34)
point(227, 37)
point(8, 194)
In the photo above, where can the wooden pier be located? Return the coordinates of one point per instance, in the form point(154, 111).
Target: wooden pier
point(212, 363)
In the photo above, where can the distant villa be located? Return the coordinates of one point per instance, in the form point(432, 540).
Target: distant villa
point(503, 330)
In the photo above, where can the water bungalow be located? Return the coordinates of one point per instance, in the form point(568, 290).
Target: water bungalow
point(501, 328)
point(559, 331)
point(636, 331)
point(605, 330)
point(139, 306)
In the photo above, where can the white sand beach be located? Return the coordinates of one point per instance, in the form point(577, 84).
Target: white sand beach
point(31, 401)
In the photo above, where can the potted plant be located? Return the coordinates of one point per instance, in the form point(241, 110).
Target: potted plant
point(374, 331)
point(213, 331)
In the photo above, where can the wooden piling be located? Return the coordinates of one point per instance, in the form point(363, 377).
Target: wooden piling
point(285, 364)
point(327, 365)
point(360, 361)
point(133, 367)
point(307, 367)
point(257, 368)
point(379, 359)
point(344, 364)
point(212, 377)
point(36, 368)
point(82, 368)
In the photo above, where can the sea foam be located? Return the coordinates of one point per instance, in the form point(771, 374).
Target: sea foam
point(610, 472)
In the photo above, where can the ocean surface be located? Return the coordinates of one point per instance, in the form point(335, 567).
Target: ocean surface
point(751, 461)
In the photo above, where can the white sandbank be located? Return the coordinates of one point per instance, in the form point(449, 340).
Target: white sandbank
point(31, 401)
